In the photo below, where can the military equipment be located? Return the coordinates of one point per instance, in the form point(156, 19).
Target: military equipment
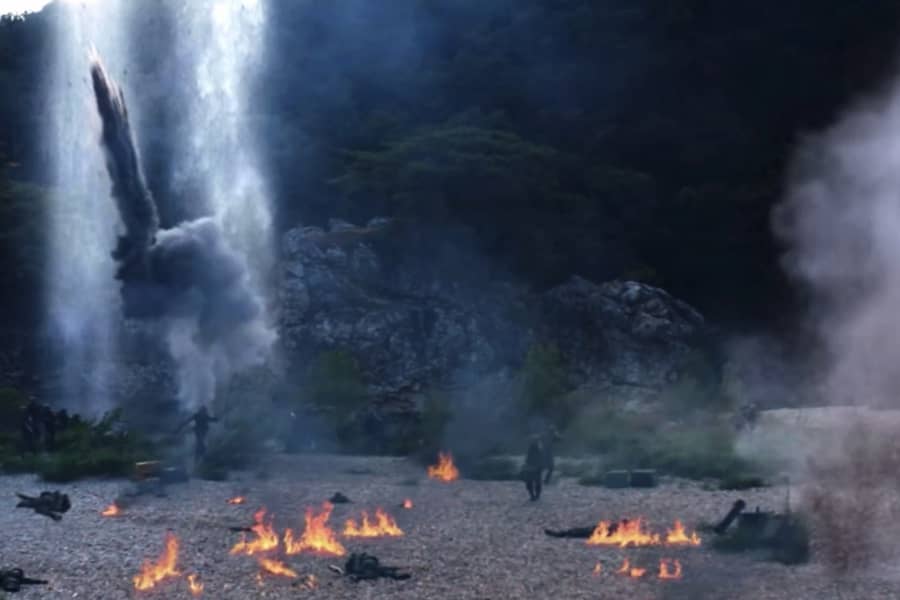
point(736, 510)
point(365, 566)
point(49, 504)
point(617, 479)
point(643, 478)
point(12, 580)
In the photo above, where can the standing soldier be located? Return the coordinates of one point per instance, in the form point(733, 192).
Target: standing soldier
point(201, 420)
point(534, 463)
point(30, 426)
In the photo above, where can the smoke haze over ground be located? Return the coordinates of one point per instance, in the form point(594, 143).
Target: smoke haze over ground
point(187, 278)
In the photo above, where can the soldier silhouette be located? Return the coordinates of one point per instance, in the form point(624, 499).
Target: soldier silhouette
point(201, 420)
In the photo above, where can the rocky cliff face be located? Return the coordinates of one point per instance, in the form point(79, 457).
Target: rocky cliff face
point(416, 313)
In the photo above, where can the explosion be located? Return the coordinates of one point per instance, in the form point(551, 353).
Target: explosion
point(384, 525)
point(276, 567)
point(317, 537)
point(195, 585)
point(445, 470)
point(237, 500)
point(266, 538)
point(151, 573)
point(111, 511)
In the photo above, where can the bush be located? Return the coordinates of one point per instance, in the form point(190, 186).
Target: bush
point(99, 449)
point(12, 404)
point(335, 387)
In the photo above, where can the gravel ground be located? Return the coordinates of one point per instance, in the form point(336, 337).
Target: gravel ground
point(464, 540)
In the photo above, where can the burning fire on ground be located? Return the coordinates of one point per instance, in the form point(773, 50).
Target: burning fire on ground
point(317, 537)
point(407, 504)
point(276, 567)
point(383, 526)
point(445, 470)
point(668, 569)
point(632, 533)
point(310, 582)
point(164, 567)
point(195, 585)
point(266, 538)
point(237, 500)
point(111, 511)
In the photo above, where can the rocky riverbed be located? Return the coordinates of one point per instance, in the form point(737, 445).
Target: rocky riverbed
point(462, 540)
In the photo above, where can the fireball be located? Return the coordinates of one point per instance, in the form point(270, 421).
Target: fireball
point(266, 537)
point(317, 537)
point(383, 525)
point(445, 470)
point(153, 573)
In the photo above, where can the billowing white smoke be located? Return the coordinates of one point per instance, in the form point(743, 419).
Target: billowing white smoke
point(841, 221)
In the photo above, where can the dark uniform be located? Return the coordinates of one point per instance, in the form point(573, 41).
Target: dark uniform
point(534, 464)
point(31, 426)
point(201, 420)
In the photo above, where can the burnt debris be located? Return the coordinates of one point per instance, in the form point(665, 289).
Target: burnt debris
point(365, 566)
point(12, 580)
point(339, 498)
point(49, 504)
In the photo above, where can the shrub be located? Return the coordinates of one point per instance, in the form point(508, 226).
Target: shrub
point(335, 388)
point(12, 403)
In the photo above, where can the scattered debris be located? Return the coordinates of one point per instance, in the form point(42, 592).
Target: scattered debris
point(445, 470)
point(365, 566)
point(49, 504)
point(339, 498)
point(12, 580)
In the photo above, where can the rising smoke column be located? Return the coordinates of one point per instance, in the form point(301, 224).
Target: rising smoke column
point(841, 222)
point(186, 278)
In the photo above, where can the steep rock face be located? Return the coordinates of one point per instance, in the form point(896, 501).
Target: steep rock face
point(416, 312)
point(621, 332)
point(405, 324)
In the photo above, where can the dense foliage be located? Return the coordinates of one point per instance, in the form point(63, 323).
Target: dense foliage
point(606, 138)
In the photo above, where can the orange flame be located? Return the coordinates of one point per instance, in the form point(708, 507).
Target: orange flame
point(627, 533)
point(311, 582)
point(407, 504)
point(237, 500)
point(627, 569)
point(266, 538)
point(384, 525)
point(151, 573)
point(665, 573)
point(445, 470)
point(598, 568)
point(276, 567)
point(111, 511)
point(195, 584)
point(318, 537)
point(678, 536)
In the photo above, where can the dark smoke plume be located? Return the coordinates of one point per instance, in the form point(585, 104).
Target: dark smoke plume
point(187, 278)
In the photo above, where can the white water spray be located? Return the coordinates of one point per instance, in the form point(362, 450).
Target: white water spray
point(81, 295)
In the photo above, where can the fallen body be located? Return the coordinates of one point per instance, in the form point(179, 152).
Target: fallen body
point(49, 504)
point(583, 532)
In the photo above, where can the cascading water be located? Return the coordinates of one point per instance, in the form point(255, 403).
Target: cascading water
point(223, 40)
point(81, 295)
